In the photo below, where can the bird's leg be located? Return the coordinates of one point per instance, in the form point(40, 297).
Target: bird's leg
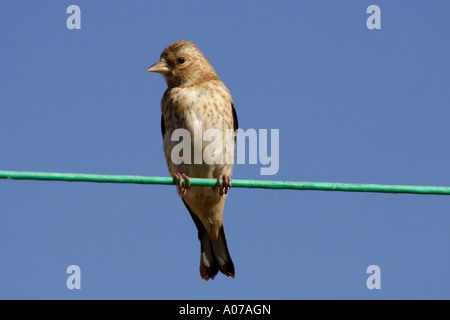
point(182, 182)
point(223, 188)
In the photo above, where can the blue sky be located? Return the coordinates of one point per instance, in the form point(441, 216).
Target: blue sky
point(351, 105)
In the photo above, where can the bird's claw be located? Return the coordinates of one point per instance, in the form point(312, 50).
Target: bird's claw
point(182, 182)
point(225, 186)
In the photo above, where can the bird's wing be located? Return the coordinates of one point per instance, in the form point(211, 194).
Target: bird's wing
point(235, 119)
point(163, 126)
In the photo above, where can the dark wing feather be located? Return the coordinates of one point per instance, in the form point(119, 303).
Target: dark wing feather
point(163, 126)
point(235, 119)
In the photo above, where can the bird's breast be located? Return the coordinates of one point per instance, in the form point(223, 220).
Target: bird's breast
point(205, 113)
point(196, 107)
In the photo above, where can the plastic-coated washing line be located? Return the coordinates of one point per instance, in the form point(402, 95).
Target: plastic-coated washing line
point(236, 183)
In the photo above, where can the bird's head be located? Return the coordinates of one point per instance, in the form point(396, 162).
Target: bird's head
point(182, 64)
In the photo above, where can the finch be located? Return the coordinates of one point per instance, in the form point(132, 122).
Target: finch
point(196, 100)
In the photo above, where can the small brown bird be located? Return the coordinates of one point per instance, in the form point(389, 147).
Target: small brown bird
point(197, 101)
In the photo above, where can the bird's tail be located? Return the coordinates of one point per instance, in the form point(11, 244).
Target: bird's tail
point(214, 255)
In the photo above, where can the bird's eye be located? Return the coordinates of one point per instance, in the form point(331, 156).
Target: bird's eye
point(180, 60)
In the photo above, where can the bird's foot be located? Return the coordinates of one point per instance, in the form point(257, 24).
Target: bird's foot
point(223, 188)
point(182, 182)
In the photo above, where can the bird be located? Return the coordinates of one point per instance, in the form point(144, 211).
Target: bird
point(197, 101)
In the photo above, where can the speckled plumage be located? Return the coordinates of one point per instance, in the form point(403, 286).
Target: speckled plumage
point(196, 100)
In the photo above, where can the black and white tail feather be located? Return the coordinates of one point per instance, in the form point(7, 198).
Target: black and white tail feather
point(214, 256)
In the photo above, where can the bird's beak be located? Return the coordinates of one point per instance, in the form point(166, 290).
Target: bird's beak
point(159, 67)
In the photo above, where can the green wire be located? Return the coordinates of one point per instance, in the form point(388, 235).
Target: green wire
point(237, 183)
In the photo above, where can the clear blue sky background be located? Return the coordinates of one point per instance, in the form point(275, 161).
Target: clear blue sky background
point(352, 105)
